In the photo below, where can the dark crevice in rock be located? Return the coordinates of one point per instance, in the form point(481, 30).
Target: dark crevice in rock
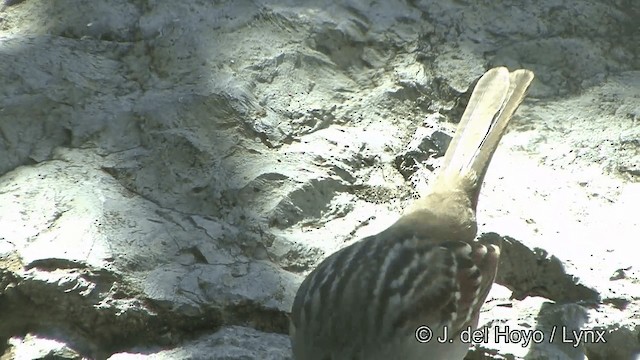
point(80, 317)
point(76, 313)
point(529, 272)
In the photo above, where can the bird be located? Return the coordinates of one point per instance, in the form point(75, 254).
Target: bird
point(409, 291)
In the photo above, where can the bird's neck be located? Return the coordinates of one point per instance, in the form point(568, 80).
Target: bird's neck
point(448, 210)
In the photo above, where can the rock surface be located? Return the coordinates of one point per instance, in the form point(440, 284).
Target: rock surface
point(170, 171)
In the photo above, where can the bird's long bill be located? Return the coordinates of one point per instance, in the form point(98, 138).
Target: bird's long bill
point(495, 98)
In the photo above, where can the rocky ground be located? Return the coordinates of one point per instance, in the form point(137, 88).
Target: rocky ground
point(170, 171)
